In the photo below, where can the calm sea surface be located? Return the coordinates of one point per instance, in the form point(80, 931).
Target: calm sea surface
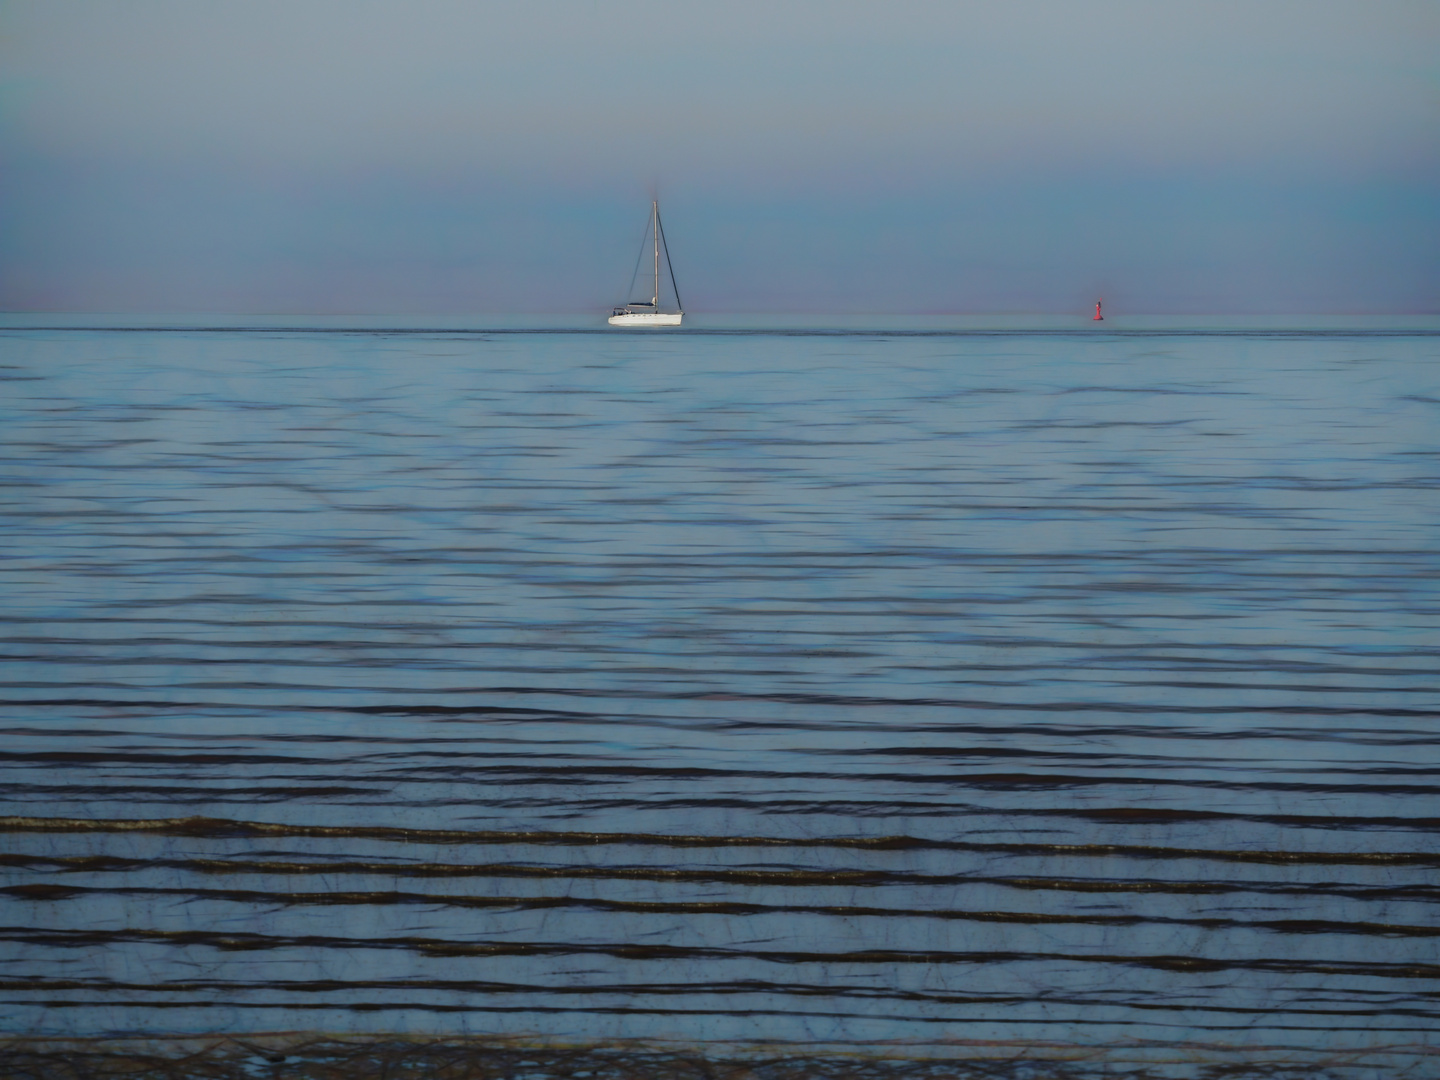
point(812, 688)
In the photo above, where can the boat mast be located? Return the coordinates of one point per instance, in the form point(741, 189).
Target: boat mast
point(670, 266)
point(655, 228)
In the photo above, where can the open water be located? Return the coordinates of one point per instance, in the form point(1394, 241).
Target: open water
point(930, 690)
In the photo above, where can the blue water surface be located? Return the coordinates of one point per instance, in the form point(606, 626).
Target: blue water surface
point(934, 685)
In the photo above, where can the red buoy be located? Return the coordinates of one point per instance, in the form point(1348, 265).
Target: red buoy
point(1098, 316)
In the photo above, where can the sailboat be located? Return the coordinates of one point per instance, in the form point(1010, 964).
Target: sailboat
point(647, 312)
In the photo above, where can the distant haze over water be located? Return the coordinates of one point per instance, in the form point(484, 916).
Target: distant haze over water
point(447, 157)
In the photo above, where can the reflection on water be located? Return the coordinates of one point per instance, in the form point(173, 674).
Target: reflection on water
point(804, 689)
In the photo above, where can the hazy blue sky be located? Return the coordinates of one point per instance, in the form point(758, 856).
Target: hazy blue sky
point(345, 155)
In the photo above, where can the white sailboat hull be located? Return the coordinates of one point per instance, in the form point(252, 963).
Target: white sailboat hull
point(647, 318)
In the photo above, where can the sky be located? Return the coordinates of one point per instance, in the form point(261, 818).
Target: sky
point(418, 156)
